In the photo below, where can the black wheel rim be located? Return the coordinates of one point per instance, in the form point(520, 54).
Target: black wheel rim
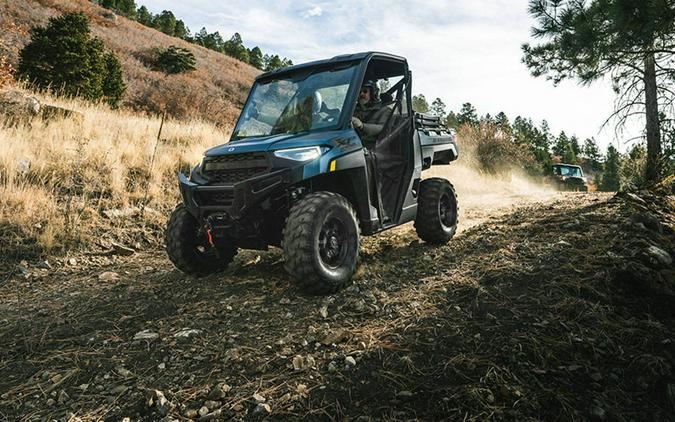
point(446, 211)
point(333, 243)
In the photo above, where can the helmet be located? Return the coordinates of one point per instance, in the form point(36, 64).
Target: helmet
point(374, 88)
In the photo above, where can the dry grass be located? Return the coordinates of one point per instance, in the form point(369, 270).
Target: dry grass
point(58, 178)
point(214, 92)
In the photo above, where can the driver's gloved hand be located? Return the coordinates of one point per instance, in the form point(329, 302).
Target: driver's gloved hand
point(358, 124)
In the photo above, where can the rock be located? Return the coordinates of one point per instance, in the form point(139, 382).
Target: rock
point(23, 166)
point(285, 301)
point(263, 408)
point(300, 363)
point(238, 407)
point(72, 261)
point(648, 220)
point(658, 256)
point(350, 362)
point(108, 276)
point(332, 366)
point(120, 389)
point(191, 413)
point(161, 366)
point(17, 107)
point(145, 335)
point(159, 401)
point(219, 391)
point(212, 404)
point(187, 333)
point(123, 371)
point(50, 112)
point(51, 402)
point(323, 311)
point(259, 398)
point(203, 411)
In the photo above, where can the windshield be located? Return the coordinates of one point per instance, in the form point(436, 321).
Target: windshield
point(303, 102)
point(569, 171)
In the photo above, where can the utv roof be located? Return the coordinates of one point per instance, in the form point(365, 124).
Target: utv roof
point(332, 61)
point(566, 165)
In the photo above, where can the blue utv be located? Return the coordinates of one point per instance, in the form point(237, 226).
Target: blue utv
point(296, 174)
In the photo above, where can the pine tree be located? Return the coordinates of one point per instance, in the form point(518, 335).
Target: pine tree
point(561, 144)
point(569, 156)
point(610, 178)
point(630, 40)
point(180, 30)
point(467, 115)
point(175, 60)
point(438, 108)
point(274, 63)
point(113, 83)
point(255, 58)
point(420, 104)
point(592, 153)
point(165, 22)
point(143, 16)
point(63, 56)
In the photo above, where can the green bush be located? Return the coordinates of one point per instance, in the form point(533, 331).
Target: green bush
point(63, 56)
point(175, 60)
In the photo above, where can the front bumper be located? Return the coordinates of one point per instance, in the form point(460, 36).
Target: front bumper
point(237, 199)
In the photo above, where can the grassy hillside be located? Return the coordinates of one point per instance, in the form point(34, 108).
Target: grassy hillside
point(81, 182)
point(214, 92)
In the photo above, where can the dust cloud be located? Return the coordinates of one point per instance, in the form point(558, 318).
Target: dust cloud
point(481, 196)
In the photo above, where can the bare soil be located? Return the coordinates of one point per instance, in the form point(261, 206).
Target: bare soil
point(552, 310)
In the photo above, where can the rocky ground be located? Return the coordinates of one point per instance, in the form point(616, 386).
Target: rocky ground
point(562, 310)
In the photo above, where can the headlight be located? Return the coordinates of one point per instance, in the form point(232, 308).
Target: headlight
point(299, 154)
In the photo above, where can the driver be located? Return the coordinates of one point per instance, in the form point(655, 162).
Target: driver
point(370, 115)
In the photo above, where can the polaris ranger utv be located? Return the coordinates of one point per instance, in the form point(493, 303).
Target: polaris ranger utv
point(296, 174)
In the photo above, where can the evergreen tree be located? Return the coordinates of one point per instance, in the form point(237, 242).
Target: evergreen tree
point(143, 16)
point(569, 156)
point(451, 120)
point(126, 8)
point(592, 153)
point(274, 63)
point(234, 47)
point(165, 22)
point(286, 62)
point(63, 56)
point(113, 83)
point(561, 143)
point(255, 58)
point(610, 178)
point(503, 122)
point(630, 40)
point(467, 115)
point(175, 60)
point(420, 104)
point(438, 108)
point(574, 144)
point(180, 30)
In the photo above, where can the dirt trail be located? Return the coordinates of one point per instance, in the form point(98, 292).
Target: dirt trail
point(522, 317)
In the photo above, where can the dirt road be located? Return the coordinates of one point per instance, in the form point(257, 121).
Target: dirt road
point(530, 315)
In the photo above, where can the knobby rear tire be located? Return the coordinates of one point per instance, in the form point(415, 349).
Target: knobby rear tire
point(437, 211)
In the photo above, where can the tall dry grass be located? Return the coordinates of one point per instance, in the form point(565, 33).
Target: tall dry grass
point(73, 181)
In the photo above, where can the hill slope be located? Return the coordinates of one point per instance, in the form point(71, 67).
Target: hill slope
point(215, 91)
point(550, 312)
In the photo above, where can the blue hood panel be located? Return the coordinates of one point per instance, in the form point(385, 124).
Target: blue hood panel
point(282, 141)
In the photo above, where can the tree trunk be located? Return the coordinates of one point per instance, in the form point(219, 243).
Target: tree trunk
point(654, 159)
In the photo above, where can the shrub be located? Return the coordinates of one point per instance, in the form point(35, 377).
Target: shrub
point(65, 57)
point(175, 60)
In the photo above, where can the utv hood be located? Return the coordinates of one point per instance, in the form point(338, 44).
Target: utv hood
point(281, 141)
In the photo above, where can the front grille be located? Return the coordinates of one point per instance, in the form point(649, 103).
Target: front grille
point(233, 168)
point(221, 198)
